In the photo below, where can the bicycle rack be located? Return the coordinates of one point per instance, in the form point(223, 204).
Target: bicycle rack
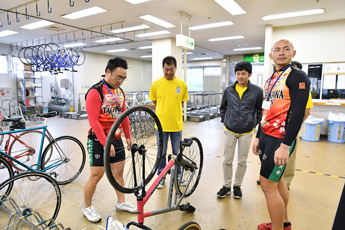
point(20, 215)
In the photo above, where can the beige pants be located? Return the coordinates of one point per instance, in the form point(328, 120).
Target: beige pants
point(243, 143)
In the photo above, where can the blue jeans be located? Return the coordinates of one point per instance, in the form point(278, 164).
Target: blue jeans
point(175, 138)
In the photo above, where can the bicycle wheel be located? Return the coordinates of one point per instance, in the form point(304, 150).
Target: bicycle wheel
point(194, 154)
point(32, 192)
point(144, 149)
point(21, 56)
point(26, 148)
point(6, 172)
point(80, 56)
point(1, 136)
point(190, 226)
point(64, 159)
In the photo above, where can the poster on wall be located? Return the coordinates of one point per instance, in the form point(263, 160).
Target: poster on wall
point(329, 81)
point(334, 68)
point(341, 82)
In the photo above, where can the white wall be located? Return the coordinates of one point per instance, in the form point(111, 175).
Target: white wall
point(316, 42)
point(5, 49)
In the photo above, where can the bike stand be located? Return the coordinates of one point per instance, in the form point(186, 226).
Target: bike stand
point(20, 215)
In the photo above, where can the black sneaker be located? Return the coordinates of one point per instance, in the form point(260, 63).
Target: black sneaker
point(223, 192)
point(237, 192)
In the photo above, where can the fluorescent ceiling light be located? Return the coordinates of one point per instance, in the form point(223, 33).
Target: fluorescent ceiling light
point(117, 50)
point(189, 53)
point(36, 25)
point(231, 6)
point(136, 1)
point(212, 25)
point(157, 21)
point(153, 33)
point(7, 33)
point(74, 45)
point(108, 40)
point(293, 14)
point(133, 28)
point(225, 38)
point(146, 56)
point(145, 47)
point(203, 58)
point(248, 48)
point(84, 13)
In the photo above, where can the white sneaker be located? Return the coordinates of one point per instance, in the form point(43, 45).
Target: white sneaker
point(161, 183)
point(91, 214)
point(181, 181)
point(126, 206)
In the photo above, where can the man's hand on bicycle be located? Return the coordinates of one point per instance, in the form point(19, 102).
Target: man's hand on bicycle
point(112, 151)
point(129, 144)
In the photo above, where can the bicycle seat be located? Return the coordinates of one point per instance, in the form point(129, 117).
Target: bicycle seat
point(13, 119)
point(187, 142)
point(47, 115)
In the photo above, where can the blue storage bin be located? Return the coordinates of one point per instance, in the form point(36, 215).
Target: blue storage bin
point(311, 132)
point(336, 131)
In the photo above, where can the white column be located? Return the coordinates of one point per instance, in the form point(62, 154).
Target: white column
point(162, 48)
point(268, 44)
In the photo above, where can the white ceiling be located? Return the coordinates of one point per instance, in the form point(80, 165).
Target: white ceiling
point(120, 12)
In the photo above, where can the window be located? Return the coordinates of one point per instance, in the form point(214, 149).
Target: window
point(195, 79)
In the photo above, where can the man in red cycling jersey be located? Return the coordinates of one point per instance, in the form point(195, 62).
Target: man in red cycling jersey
point(285, 97)
point(105, 101)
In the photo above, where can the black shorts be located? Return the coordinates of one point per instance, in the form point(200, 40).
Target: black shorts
point(96, 152)
point(267, 147)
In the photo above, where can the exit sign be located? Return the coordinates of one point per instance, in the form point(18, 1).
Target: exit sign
point(185, 42)
point(254, 58)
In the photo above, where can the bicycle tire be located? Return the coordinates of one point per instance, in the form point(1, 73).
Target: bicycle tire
point(33, 192)
point(1, 136)
point(21, 56)
point(28, 55)
point(50, 52)
point(22, 153)
point(64, 149)
point(190, 226)
point(6, 172)
point(143, 134)
point(81, 57)
point(195, 154)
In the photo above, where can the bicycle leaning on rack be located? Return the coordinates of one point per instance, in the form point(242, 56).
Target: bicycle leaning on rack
point(142, 161)
point(63, 158)
point(36, 189)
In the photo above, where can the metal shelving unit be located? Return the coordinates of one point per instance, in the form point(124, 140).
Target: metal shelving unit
point(29, 92)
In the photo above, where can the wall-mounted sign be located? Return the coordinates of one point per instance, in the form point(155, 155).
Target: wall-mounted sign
point(254, 58)
point(185, 42)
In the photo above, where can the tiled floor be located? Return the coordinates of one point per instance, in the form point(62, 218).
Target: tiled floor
point(314, 197)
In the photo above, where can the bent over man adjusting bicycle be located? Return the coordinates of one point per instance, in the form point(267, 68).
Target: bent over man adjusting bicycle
point(105, 101)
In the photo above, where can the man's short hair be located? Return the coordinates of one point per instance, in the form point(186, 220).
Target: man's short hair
point(169, 60)
point(297, 64)
point(244, 65)
point(116, 62)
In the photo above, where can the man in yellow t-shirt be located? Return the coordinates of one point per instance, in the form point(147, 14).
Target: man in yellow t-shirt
point(168, 94)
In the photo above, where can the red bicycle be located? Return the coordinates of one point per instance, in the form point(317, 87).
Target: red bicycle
point(141, 164)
